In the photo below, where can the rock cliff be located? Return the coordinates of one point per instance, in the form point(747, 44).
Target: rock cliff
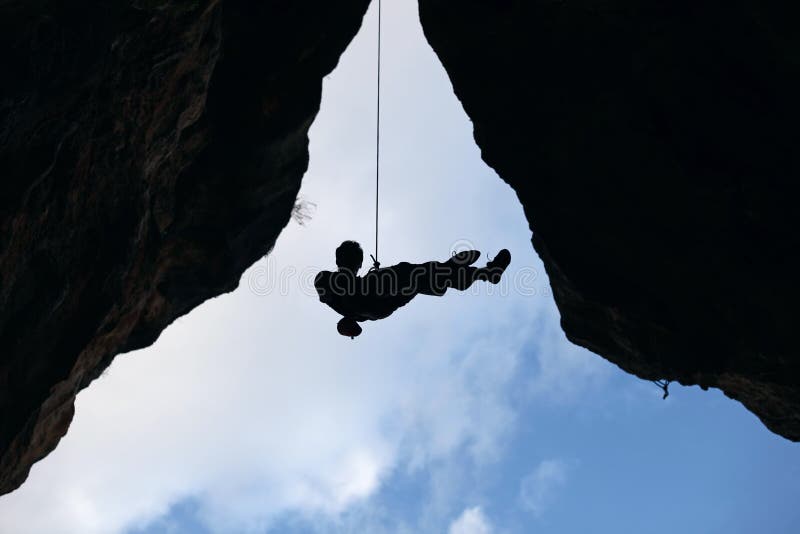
point(653, 146)
point(150, 150)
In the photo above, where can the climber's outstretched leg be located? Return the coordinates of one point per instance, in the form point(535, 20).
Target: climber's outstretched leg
point(434, 278)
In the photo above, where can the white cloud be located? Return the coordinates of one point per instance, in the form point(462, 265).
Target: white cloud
point(471, 521)
point(564, 371)
point(539, 489)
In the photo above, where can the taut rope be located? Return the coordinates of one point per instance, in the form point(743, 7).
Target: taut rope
point(375, 263)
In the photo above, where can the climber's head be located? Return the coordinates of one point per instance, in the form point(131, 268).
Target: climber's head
point(348, 327)
point(349, 256)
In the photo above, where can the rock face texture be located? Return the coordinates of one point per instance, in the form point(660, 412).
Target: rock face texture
point(150, 151)
point(653, 146)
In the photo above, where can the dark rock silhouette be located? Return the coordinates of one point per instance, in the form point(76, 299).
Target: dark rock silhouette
point(382, 290)
point(150, 151)
point(653, 146)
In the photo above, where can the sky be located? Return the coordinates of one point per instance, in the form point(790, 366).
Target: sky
point(465, 414)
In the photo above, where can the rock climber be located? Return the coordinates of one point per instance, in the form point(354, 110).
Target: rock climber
point(381, 291)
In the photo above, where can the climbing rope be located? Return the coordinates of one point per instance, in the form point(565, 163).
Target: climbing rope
point(375, 263)
point(664, 385)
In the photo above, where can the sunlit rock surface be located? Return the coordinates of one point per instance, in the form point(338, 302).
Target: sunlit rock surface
point(150, 151)
point(654, 147)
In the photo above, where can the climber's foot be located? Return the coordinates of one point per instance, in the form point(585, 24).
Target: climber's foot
point(466, 257)
point(498, 265)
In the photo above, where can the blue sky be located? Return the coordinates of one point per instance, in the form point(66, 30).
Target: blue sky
point(468, 414)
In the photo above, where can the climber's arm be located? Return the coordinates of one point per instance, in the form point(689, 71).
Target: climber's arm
point(322, 283)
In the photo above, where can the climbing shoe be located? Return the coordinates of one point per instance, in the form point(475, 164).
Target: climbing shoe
point(498, 265)
point(465, 257)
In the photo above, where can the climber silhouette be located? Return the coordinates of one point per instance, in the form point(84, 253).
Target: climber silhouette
point(381, 291)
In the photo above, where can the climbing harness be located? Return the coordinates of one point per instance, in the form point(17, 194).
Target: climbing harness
point(375, 263)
